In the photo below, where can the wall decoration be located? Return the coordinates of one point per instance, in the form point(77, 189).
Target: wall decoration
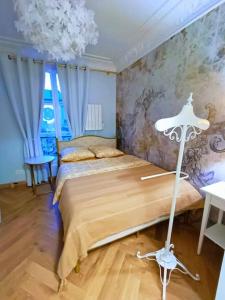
point(156, 87)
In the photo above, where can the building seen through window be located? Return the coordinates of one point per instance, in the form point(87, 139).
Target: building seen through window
point(48, 125)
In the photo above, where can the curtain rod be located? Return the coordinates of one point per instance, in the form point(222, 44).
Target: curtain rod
point(12, 56)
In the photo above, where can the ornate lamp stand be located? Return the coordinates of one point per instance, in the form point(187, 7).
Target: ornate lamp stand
point(183, 127)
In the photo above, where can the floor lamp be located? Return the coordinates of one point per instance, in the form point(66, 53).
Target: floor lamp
point(182, 128)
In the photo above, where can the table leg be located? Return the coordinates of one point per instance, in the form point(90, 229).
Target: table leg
point(204, 222)
point(50, 176)
point(33, 178)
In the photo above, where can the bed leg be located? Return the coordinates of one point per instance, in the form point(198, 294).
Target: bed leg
point(77, 267)
point(137, 234)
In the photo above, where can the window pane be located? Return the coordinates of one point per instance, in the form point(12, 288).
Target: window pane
point(48, 117)
point(64, 120)
point(48, 132)
point(48, 85)
point(48, 145)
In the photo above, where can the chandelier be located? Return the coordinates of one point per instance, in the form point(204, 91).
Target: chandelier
point(63, 28)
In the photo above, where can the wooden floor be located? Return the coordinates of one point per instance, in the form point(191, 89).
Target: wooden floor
point(31, 241)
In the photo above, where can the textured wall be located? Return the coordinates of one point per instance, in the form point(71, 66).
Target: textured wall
point(157, 86)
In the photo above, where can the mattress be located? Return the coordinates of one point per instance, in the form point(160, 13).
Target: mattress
point(93, 166)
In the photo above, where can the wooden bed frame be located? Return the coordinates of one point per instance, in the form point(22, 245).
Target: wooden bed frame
point(85, 141)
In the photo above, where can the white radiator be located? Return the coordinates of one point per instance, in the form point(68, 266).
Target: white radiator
point(94, 117)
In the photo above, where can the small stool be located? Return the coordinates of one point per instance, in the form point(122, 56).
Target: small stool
point(40, 160)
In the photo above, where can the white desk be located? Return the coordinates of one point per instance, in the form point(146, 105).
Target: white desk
point(215, 196)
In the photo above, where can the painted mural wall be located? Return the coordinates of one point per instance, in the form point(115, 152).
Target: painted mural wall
point(157, 86)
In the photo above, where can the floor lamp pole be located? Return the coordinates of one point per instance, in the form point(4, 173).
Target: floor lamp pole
point(176, 186)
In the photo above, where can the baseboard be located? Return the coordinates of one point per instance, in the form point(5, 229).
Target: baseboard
point(12, 185)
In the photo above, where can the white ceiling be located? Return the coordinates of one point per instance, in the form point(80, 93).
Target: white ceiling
point(128, 28)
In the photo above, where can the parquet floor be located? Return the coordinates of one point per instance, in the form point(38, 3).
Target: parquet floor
point(31, 241)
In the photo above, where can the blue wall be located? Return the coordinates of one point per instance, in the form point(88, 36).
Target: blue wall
point(102, 90)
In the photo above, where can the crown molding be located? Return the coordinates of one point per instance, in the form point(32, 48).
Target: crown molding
point(163, 23)
point(22, 48)
point(147, 40)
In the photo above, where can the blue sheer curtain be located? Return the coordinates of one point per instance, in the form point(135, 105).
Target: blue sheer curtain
point(24, 81)
point(74, 83)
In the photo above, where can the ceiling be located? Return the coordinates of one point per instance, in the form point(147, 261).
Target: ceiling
point(128, 29)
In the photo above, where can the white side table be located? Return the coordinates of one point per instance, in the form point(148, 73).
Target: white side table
point(40, 160)
point(215, 196)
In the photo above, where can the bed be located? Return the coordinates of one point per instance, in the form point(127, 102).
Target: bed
point(104, 199)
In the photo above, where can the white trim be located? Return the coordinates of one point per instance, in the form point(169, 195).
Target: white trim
point(20, 47)
point(147, 37)
point(149, 42)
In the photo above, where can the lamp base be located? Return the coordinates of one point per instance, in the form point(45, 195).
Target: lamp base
point(167, 260)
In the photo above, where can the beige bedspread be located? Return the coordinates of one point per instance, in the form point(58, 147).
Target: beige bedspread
point(94, 207)
point(94, 166)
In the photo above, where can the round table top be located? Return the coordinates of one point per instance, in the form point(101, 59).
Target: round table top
point(39, 160)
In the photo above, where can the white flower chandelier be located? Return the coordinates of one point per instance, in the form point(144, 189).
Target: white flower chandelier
point(63, 28)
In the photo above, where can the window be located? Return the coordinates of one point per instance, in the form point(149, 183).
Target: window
point(48, 125)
